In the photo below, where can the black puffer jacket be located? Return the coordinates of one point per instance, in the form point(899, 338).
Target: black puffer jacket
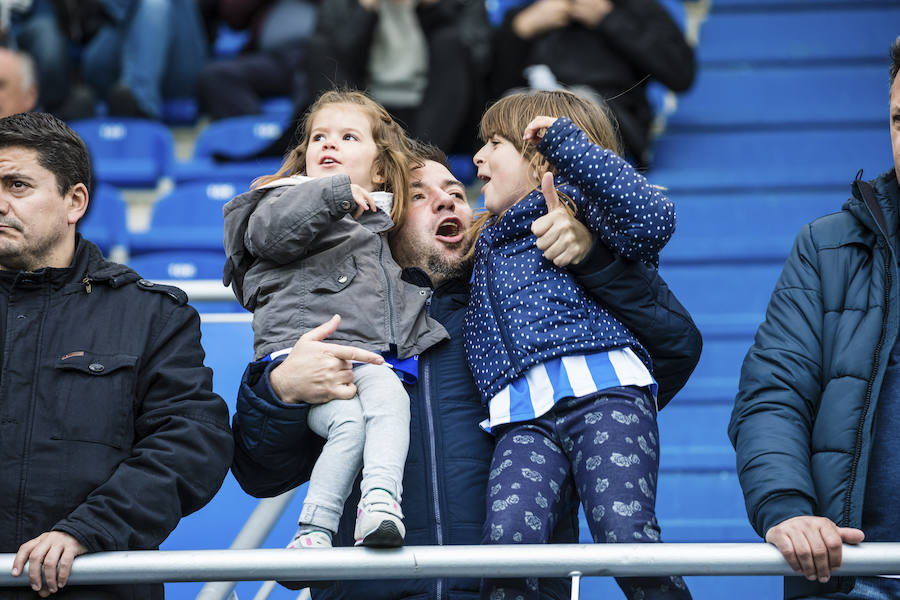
point(109, 429)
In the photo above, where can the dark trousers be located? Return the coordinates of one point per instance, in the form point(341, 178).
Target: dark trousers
point(234, 87)
point(606, 447)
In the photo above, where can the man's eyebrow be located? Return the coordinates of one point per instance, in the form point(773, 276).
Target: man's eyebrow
point(444, 184)
point(16, 177)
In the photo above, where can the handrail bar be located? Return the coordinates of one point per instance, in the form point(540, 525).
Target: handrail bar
point(541, 560)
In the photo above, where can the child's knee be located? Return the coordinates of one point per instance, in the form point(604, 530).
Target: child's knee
point(515, 527)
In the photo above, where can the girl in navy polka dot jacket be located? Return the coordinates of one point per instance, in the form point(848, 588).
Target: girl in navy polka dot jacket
point(569, 389)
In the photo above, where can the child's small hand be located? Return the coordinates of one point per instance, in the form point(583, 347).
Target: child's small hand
point(535, 130)
point(562, 237)
point(363, 200)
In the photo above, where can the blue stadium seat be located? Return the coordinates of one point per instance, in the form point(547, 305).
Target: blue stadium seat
point(128, 152)
point(775, 5)
point(188, 218)
point(745, 226)
point(234, 137)
point(789, 36)
point(186, 265)
point(758, 160)
point(105, 223)
point(782, 95)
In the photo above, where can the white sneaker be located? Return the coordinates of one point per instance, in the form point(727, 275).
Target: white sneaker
point(379, 521)
point(313, 539)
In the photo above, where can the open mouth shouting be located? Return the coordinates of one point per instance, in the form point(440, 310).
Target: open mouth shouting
point(449, 230)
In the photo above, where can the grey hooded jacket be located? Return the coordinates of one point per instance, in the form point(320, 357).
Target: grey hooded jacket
point(296, 257)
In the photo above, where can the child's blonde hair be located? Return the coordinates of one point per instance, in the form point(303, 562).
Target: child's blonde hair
point(509, 116)
point(391, 162)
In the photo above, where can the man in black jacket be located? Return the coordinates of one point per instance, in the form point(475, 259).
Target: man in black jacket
point(446, 472)
point(109, 429)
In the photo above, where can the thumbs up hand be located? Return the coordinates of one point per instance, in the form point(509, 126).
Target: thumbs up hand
point(562, 237)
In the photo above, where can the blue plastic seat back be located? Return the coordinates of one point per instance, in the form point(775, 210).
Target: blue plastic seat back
point(187, 265)
point(105, 223)
point(128, 152)
point(188, 218)
point(238, 136)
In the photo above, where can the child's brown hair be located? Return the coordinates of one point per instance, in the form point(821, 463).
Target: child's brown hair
point(391, 162)
point(509, 116)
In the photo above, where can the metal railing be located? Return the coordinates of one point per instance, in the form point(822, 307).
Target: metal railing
point(543, 560)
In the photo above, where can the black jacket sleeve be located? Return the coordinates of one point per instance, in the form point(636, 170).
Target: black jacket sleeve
point(181, 451)
point(640, 299)
point(645, 35)
point(275, 451)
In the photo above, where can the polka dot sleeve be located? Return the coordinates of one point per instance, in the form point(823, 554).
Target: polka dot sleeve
point(633, 217)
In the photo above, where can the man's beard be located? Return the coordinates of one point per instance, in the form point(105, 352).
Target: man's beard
point(440, 264)
point(440, 269)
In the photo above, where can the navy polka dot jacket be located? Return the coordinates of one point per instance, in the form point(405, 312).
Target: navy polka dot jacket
point(524, 310)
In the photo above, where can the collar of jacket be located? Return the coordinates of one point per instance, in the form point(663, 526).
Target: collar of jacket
point(456, 288)
point(887, 193)
point(87, 264)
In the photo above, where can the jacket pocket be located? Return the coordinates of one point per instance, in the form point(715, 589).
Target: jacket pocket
point(337, 278)
point(96, 393)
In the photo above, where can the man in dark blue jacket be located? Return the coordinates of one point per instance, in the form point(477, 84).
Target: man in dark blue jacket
point(816, 417)
point(449, 456)
point(109, 429)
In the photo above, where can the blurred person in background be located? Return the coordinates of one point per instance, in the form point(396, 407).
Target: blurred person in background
point(18, 86)
point(423, 60)
point(612, 47)
point(270, 64)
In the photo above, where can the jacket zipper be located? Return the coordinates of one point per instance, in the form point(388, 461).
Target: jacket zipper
point(390, 293)
point(845, 517)
point(504, 334)
point(432, 448)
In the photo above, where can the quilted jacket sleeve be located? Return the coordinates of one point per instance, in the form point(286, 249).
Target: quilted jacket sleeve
point(780, 385)
point(274, 449)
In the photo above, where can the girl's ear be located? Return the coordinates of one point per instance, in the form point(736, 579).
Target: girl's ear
point(377, 177)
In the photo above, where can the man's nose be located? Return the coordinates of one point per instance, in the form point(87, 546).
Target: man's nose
point(4, 204)
point(442, 201)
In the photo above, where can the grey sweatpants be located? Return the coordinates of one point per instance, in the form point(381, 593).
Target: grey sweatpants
point(369, 430)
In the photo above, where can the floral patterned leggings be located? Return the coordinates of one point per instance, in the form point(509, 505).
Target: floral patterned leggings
point(604, 444)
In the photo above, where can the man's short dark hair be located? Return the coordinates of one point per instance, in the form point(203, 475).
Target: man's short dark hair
point(895, 60)
point(423, 151)
point(58, 147)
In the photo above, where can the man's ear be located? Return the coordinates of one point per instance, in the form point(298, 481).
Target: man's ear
point(76, 203)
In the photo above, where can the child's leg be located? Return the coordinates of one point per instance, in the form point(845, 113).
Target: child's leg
point(385, 406)
point(526, 492)
point(613, 446)
point(341, 422)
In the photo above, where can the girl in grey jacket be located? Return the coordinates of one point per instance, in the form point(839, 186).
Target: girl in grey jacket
point(304, 248)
